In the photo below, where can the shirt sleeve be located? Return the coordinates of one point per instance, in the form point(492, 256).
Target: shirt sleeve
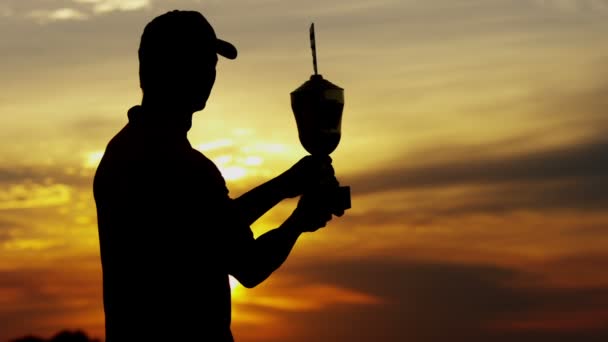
point(237, 239)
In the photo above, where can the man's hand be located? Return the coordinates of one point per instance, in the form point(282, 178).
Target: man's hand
point(308, 172)
point(313, 212)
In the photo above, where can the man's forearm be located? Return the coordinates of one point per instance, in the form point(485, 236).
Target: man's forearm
point(256, 202)
point(270, 251)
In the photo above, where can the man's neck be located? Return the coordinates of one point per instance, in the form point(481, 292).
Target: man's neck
point(168, 116)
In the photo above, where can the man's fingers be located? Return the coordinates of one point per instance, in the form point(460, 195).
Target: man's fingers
point(339, 213)
point(322, 223)
point(324, 159)
point(326, 217)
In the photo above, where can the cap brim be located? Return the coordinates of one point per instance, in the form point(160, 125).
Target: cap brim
point(226, 49)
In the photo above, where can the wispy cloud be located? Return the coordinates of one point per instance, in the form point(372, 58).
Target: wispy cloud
point(5, 11)
point(61, 14)
point(69, 10)
point(48, 295)
point(565, 177)
point(104, 6)
point(44, 175)
point(574, 5)
point(469, 302)
point(20, 196)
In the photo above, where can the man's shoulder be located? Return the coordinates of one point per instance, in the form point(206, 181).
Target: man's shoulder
point(207, 167)
point(111, 155)
point(116, 146)
point(202, 159)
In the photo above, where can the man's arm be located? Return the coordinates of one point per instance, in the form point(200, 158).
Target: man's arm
point(257, 201)
point(261, 257)
point(291, 183)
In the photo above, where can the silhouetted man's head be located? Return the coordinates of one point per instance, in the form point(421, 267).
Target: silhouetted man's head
point(177, 58)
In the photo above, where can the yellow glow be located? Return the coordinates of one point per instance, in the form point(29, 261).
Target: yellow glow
point(223, 160)
point(253, 161)
point(243, 132)
point(237, 290)
point(312, 297)
point(260, 319)
point(273, 148)
point(29, 244)
point(214, 145)
point(22, 196)
point(233, 283)
point(232, 172)
point(92, 159)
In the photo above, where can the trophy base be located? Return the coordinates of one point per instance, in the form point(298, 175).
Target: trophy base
point(342, 198)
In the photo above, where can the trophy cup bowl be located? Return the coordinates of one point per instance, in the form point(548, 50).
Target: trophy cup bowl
point(317, 106)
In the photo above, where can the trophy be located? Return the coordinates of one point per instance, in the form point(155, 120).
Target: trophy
point(317, 106)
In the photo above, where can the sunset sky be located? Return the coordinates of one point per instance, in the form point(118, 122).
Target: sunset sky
point(474, 141)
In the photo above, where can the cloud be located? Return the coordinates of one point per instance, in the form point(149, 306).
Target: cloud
point(60, 14)
point(578, 104)
point(105, 6)
point(70, 10)
point(573, 6)
point(443, 301)
point(21, 196)
point(412, 300)
point(62, 336)
point(5, 11)
point(95, 127)
point(39, 186)
point(43, 300)
point(7, 228)
point(561, 164)
point(572, 176)
point(44, 175)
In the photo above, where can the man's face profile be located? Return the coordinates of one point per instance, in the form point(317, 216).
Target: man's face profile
point(202, 74)
point(184, 77)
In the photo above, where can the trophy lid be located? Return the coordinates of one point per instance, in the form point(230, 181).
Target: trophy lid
point(316, 83)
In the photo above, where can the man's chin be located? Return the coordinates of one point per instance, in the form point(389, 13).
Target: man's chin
point(199, 106)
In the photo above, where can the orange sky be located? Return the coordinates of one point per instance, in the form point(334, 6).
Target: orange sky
point(473, 141)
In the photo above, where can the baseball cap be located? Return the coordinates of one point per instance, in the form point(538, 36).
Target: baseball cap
point(180, 30)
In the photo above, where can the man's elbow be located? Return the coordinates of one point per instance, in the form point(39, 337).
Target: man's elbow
point(249, 283)
point(252, 268)
point(250, 279)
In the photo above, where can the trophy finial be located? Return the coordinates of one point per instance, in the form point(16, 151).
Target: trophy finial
point(313, 47)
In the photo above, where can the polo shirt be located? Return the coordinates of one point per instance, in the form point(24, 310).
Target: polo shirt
point(168, 235)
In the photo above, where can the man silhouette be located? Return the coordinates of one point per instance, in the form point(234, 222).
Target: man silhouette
point(170, 235)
